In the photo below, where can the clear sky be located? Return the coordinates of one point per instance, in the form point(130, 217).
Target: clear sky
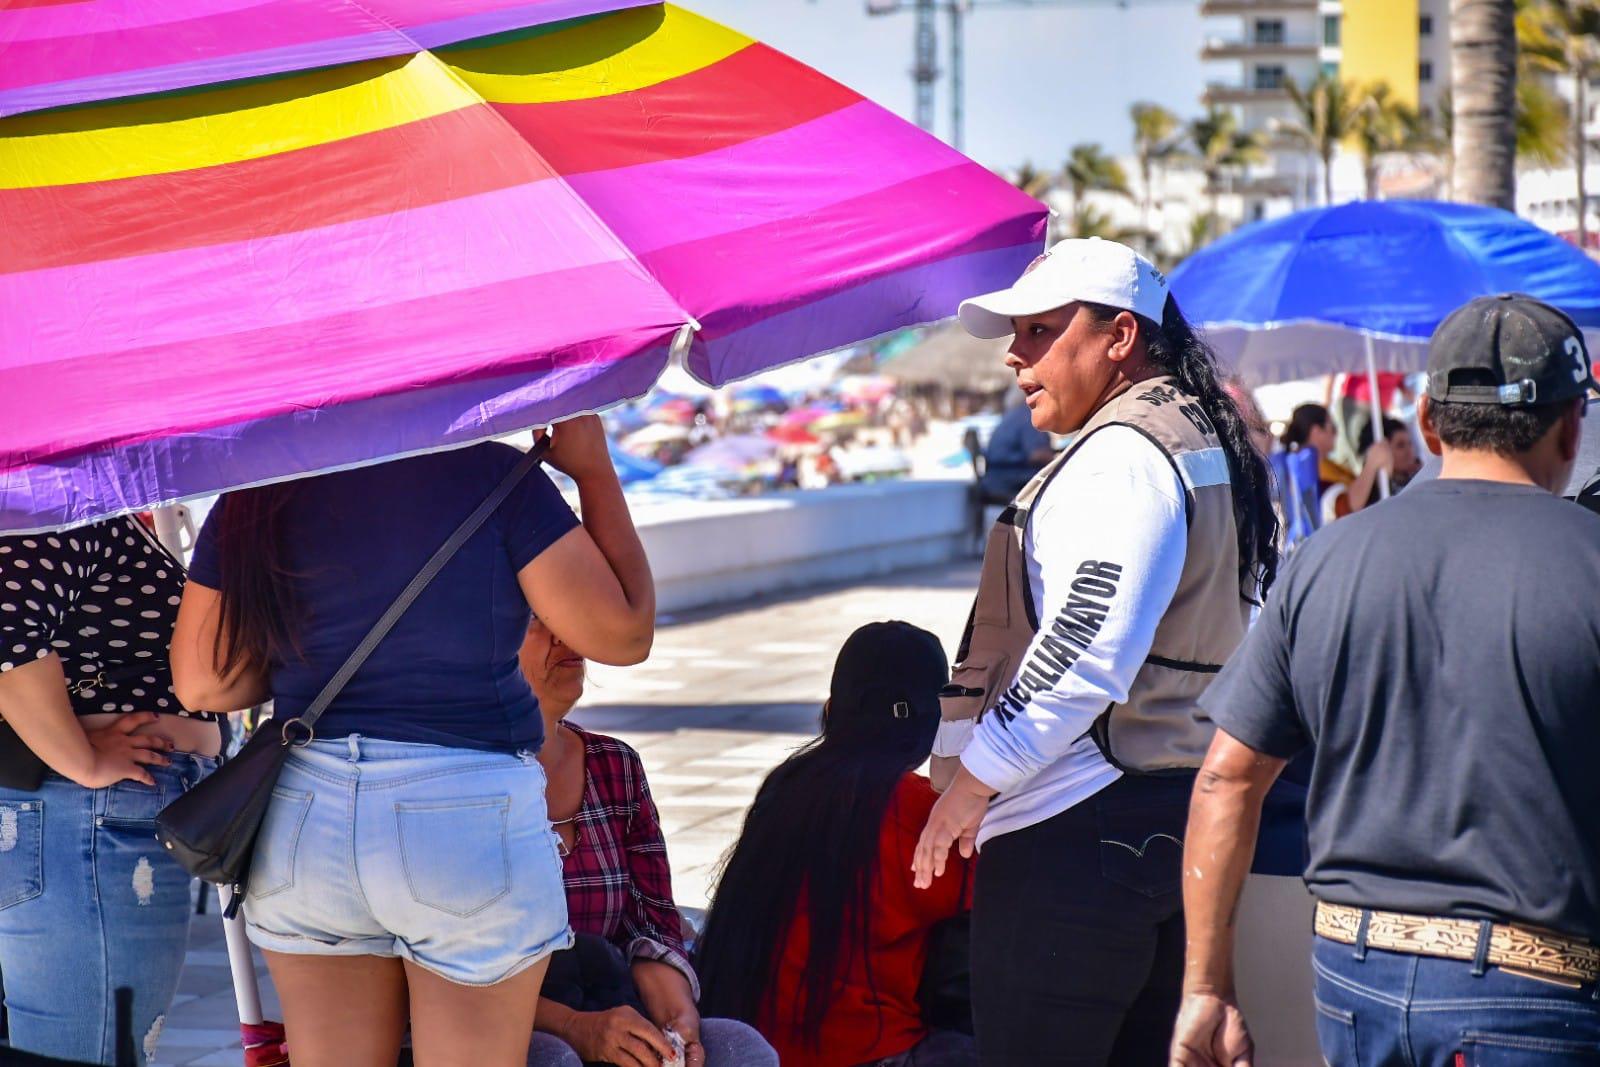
point(1039, 80)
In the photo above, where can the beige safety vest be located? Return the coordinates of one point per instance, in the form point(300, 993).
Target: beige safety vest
point(1160, 726)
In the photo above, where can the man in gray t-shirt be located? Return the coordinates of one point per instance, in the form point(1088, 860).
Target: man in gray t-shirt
point(1440, 656)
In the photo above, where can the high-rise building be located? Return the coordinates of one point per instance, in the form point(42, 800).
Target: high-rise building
point(1254, 49)
point(1404, 43)
point(1259, 46)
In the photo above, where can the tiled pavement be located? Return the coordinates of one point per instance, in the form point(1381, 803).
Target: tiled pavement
point(724, 697)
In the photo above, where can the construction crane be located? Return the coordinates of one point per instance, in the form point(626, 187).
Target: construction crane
point(925, 67)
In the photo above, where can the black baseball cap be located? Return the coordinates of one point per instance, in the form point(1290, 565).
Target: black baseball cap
point(892, 667)
point(1511, 350)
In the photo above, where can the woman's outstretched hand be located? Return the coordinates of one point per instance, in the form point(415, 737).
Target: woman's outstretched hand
point(954, 821)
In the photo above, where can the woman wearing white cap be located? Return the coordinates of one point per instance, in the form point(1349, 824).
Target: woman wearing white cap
point(1113, 589)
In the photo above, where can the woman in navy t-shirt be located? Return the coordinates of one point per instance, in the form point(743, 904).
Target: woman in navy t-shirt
point(406, 868)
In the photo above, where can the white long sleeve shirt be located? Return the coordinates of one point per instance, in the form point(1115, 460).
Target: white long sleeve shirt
point(1105, 550)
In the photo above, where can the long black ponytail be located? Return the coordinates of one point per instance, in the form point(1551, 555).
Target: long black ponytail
point(1175, 349)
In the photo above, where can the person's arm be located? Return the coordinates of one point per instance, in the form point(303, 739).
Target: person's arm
point(34, 701)
point(650, 923)
point(593, 587)
point(1224, 817)
point(670, 1004)
point(33, 686)
point(197, 675)
point(1259, 730)
point(1107, 582)
point(1359, 493)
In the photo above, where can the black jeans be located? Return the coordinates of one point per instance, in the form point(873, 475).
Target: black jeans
point(1077, 932)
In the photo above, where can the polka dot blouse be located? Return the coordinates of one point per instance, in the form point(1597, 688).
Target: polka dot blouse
point(104, 599)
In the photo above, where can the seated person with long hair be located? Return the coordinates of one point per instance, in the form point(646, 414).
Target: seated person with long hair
point(816, 936)
point(619, 888)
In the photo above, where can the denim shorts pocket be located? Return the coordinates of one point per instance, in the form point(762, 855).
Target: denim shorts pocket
point(1483, 1049)
point(278, 844)
point(1141, 848)
point(21, 851)
point(455, 852)
point(1336, 1033)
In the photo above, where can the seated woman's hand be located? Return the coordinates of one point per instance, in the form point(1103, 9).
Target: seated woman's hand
point(621, 1036)
point(686, 1024)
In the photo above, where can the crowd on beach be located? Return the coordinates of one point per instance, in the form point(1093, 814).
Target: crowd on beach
point(1026, 851)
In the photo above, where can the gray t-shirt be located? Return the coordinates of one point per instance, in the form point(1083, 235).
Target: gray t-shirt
point(1441, 652)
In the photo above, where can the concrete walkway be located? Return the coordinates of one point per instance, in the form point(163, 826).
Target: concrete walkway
point(725, 696)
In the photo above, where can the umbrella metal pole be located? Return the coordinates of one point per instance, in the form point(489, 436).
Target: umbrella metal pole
point(1377, 411)
point(246, 991)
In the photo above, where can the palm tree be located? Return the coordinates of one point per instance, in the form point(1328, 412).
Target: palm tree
point(1483, 59)
point(1032, 180)
point(1383, 125)
point(1221, 148)
point(1157, 140)
point(1090, 221)
point(1198, 237)
point(1562, 37)
point(1089, 168)
point(1328, 108)
point(1540, 121)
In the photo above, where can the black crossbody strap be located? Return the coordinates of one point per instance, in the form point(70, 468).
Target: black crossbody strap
point(428, 572)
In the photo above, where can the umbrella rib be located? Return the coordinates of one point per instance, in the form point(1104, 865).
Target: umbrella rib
point(689, 321)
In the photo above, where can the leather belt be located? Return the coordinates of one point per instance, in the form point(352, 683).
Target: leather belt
point(1519, 949)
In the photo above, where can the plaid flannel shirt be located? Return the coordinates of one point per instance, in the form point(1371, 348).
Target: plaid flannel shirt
point(618, 882)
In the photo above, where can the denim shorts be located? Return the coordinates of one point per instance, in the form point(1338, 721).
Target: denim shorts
point(441, 856)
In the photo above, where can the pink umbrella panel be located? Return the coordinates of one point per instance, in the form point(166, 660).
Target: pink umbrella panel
point(444, 237)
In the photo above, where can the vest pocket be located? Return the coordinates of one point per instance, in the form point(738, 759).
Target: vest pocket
point(973, 684)
point(21, 851)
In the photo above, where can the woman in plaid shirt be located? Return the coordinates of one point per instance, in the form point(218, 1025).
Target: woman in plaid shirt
point(619, 887)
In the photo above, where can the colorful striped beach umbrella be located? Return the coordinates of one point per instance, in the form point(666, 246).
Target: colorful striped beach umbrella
point(242, 240)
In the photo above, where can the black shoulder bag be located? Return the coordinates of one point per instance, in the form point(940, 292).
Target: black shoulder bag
point(211, 830)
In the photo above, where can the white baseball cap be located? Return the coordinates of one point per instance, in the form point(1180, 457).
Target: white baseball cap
point(1091, 269)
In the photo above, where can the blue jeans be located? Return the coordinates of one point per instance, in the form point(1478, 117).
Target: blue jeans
point(90, 908)
point(1417, 1011)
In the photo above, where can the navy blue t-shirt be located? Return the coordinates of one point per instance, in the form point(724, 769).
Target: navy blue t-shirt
point(1440, 652)
point(447, 673)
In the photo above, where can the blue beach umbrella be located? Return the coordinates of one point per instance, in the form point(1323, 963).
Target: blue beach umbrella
point(1362, 285)
point(631, 468)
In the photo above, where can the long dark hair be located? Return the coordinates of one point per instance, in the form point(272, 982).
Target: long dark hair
point(810, 840)
point(1302, 421)
point(259, 608)
point(1175, 349)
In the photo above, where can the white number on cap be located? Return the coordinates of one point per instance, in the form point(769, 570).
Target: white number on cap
point(1574, 348)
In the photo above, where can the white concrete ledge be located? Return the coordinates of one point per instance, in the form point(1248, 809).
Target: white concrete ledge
point(706, 552)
